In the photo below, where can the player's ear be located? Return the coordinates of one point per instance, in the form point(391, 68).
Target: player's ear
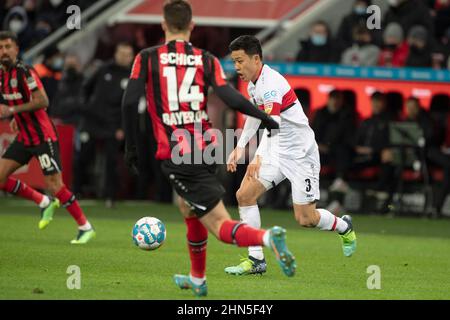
point(191, 26)
point(164, 26)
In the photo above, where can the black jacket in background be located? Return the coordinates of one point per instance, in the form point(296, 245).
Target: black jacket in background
point(317, 54)
point(374, 132)
point(102, 114)
point(409, 14)
point(68, 101)
point(334, 128)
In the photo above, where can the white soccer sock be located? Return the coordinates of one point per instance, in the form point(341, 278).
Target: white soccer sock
point(266, 239)
point(85, 227)
point(327, 220)
point(45, 202)
point(197, 281)
point(250, 215)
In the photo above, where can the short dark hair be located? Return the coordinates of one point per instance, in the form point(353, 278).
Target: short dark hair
point(177, 14)
point(5, 35)
point(250, 45)
point(378, 96)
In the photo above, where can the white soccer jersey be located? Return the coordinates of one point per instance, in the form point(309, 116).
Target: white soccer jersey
point(293, 153)
point(273, 94)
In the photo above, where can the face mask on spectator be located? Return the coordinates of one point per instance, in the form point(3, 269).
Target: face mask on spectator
point(56, 3)
point(16, 26)
point(57, 64)
point(318, 39)
point(360, 10)
point(391, 47)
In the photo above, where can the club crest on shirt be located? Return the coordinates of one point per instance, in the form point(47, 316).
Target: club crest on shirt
point(268, 106)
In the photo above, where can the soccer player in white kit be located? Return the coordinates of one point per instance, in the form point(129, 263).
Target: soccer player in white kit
point(291, 154)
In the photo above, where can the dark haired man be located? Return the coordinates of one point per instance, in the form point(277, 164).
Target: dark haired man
point(176, 77)
point(36, 137)
point(293, 154)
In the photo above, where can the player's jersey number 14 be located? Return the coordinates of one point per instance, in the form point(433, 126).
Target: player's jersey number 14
point(187, 92)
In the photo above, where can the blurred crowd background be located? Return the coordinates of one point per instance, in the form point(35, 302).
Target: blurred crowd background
point(85, 88)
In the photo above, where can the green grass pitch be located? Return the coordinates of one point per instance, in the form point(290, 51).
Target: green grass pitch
point(413, 256)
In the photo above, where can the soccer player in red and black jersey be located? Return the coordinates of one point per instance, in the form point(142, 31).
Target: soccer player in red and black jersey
point(27, 101)
point(175, 78)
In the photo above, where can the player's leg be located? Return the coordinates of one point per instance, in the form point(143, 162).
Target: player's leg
point(67, 199)
point(49, 159)
point(250, 191)
point(220, 224)
point(16, 156)
point(197, 240)
point(304, 177)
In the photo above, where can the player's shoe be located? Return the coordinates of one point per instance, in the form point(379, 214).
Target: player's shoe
point(348, 238)
point(47, 213)
point(184, 282)
point(278, 244)
point(248, 265)
point(84, 236)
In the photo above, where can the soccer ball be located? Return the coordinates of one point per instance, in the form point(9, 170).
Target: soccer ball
point(149, 233)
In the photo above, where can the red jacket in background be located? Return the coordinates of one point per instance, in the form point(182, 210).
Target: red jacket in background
point(396, 58)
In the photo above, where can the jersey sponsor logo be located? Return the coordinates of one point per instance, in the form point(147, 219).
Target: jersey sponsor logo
point(13, 83)
point(270, 94)
point(180, 59)
point(184, 117)
point(12, 96)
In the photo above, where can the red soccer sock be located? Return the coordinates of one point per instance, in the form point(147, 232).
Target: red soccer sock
point(16, 187)
point(197, 237)
point(241, 234)
point(69, 202)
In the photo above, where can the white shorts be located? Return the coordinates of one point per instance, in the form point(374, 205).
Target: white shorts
point(303, 173)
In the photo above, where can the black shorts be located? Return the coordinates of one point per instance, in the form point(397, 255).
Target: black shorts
point(47, 155)
point(197, 184)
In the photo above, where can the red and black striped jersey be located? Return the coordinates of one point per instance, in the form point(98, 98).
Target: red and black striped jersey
point(178, 76)
point(17, 85)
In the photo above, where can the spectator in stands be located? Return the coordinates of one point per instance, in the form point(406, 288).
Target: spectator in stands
point(16, 20)
point(409, 13)
point(102, 121)
point(395, 50)
point(358, 17)
point(68, 101)
point(371, 148)
point(334, 126)
point(319, 47)
point(433, 147)
point(50, 71)
point(362, 52)
point(441, 52)
point(419, 48)
point(441, 16)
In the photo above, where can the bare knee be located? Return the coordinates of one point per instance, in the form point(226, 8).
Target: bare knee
point(245, 197)
point(54, 184)
point(185, 210)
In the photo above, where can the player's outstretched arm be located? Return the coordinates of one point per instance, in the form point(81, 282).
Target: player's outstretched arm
point(238, 102)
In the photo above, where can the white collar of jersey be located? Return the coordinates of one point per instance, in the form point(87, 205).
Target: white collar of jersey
point(260, 74)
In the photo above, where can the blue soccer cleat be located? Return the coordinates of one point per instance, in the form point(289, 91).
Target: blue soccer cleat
point(184, 282)
point(278, 244)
